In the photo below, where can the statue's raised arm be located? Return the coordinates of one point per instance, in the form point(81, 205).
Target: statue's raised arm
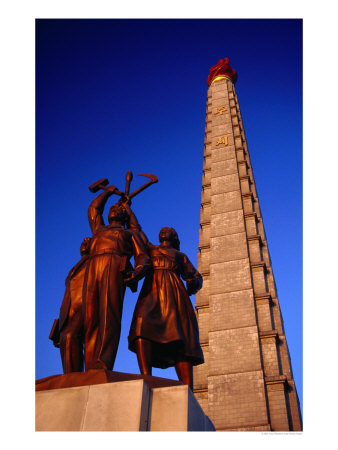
point(135, 225)
point(95, 210)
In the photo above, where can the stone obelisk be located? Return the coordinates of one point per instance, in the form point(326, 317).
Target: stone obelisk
point(246, 382)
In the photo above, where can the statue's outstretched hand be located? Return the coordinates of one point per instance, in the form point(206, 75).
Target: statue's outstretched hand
point(131, 280)
point(193, 285)
point(134, 275)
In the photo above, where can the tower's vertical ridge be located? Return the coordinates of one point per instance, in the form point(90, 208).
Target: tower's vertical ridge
point(246, 382)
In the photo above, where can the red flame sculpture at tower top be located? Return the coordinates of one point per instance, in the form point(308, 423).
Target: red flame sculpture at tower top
point(222, 68)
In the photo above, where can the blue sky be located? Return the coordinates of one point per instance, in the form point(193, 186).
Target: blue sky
point(114, 95)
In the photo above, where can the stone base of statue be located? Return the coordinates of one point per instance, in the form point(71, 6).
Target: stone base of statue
point(100, 400)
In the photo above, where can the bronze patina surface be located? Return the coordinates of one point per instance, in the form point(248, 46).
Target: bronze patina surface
point(164, 330)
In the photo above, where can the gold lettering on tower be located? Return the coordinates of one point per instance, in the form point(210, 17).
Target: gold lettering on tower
point(220, 110)
point(222, 140)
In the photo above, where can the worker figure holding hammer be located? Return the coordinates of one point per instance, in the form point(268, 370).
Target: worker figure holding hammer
point(108, 265)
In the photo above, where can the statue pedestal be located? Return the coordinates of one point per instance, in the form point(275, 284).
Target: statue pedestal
point(139, 404)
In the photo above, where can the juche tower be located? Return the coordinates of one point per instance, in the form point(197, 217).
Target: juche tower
point(246, 382)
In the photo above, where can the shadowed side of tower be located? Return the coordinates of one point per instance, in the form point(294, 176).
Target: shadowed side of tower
point(246, 382)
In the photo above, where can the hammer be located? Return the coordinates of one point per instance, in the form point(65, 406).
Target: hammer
point(101, 184)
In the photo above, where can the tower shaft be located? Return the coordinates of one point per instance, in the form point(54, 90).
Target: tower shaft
point(246, 382)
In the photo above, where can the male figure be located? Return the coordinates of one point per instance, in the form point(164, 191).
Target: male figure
point(111, 248)
point(71, 319)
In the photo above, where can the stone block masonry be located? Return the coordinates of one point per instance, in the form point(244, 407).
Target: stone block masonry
point(246, 382)
point(120, 406)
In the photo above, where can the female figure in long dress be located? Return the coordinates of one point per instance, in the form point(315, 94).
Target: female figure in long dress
point(164, 329)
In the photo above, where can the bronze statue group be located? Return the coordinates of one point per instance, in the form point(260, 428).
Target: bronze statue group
point(164, 329)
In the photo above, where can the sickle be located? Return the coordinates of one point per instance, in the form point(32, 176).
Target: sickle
point(153, 179)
